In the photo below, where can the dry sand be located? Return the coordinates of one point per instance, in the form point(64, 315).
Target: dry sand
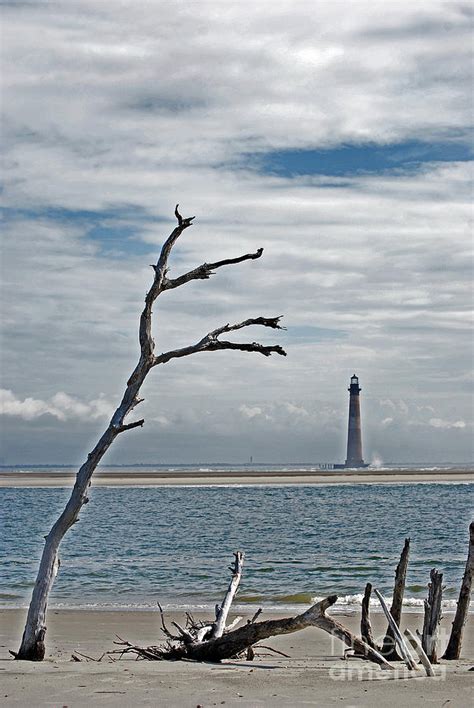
point(315, 675)
point(149, 478)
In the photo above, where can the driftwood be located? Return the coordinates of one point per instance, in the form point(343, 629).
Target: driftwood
point(221, 617)
point(365, 626)
point(453, 650)
point(235, 643)
point(389, 642)
point(432, 616)
point(32, 644)
point(419, 650)
point(219, 642)
point(404, 651)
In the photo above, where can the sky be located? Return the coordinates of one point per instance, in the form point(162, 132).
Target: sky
point(335, 135)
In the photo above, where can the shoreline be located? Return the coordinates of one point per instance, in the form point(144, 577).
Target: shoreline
point(248, 609)
point(118, 478)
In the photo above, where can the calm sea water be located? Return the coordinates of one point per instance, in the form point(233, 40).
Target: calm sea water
point(134, 546)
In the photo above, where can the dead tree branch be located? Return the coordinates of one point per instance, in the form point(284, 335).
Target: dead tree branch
point(414, 641)
point(211, 342)
point(389, 643)
point(235, 643)
point(221, 619)
point(204, 271)
point(432, 616)
point(404, 651)
point(365, 626)
point(453, 650)
point(32, 645)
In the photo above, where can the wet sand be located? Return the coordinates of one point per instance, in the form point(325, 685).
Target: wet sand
point(316, 673)
point(148, 478)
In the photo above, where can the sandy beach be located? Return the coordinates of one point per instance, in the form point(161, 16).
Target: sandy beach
point(315, 674)
point(148, 478)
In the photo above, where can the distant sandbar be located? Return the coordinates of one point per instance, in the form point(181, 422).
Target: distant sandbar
point(158, 478)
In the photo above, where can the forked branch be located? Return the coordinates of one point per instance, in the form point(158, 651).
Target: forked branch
point(146, 340)
point(211, 342)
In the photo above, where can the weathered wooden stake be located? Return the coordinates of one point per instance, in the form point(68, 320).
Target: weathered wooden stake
point(389, 644)
point(432, 618)
point(365, 626)
point(453, 650)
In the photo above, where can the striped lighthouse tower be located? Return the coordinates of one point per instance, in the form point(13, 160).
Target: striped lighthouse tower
point(354, 434)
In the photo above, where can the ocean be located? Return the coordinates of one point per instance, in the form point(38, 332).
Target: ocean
point(135, 546)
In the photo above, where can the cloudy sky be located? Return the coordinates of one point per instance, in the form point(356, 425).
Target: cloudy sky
point(335, 135)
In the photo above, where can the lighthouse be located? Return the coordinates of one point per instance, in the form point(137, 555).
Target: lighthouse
point(354, 433)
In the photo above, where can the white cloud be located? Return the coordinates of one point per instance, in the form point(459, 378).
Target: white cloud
point(60, 406)
point(446, 424)
point(295, 410)
point(250, 411)
point(162, 421)
point(387, 421)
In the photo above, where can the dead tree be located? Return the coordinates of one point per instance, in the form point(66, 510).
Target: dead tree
point(32, 644)
point(453, 650)
point(432, 616)
point(213, 641)
point(236, 642)
point(389, 643)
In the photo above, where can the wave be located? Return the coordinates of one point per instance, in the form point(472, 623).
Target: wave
point(292, 602)
point(415, 602)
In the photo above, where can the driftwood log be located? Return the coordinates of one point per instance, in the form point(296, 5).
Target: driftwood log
point(235, 643)
point(214, 642)
point(453, 650)
point(32, 645)
point(389, 642)
point(432, 616)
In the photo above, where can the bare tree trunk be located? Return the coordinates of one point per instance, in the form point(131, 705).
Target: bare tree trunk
point(221, 618)
point(365, 626)
point(432, 617)
point(389, 644)
point(453, 650)
point(32, 644)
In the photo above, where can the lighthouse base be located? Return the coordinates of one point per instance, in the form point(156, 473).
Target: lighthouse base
point(352, 466)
